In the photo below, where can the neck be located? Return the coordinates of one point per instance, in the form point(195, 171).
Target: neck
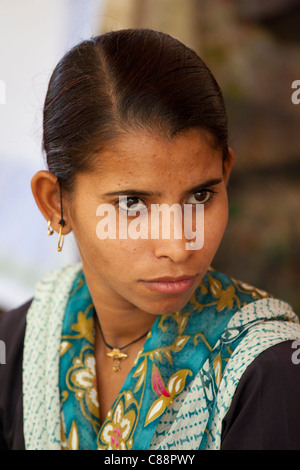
point(121, 347)
point(121, 322)
point(120, 328)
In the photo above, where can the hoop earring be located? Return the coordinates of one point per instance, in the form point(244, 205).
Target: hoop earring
point(50, 231)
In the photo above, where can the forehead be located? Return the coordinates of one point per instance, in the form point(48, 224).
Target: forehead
point(145, 158)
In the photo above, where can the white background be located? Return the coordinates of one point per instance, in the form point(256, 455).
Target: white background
point(34, 35)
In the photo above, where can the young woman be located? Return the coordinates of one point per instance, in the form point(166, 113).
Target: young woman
point(143, 345)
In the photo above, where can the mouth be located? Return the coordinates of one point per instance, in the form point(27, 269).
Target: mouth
point(171, 285)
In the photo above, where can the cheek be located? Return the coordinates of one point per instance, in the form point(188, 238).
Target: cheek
point(95, 246)
point(109, 258)
point(215, 222)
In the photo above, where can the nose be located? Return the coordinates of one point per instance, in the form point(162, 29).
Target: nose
point(171, 248)
point(168, 237)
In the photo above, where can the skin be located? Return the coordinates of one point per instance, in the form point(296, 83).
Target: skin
point(115, 268)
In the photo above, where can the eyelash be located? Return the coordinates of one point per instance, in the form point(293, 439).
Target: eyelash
point(211, 196)
point(136, 198)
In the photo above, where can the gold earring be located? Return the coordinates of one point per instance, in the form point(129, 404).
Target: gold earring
point(60, 239)
point(50, 231)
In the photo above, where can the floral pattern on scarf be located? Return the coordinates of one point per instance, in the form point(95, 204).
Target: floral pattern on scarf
point(175, 350)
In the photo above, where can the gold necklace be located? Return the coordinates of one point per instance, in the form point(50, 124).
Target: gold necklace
point(116, 353)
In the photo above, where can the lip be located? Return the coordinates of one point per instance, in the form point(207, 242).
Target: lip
point(170, 285)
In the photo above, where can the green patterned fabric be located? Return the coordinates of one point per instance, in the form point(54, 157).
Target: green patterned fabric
point(170, 397)
point(181, 385)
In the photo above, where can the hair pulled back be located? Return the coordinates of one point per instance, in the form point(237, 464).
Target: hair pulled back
point(123, 81)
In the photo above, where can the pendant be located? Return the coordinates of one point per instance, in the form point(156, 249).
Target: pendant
point(117, 356)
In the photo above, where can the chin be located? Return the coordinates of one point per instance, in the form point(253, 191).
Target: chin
point(167, 306)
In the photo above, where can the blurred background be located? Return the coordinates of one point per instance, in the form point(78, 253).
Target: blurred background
point(253, 49)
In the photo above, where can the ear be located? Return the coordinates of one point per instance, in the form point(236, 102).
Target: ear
point(46, 192)
point(228, 164)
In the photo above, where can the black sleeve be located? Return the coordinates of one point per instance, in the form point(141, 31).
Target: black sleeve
point(265, 411)
point(12, 331)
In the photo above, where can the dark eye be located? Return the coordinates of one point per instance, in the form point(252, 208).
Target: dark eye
point(200, 198)
point(133, 204)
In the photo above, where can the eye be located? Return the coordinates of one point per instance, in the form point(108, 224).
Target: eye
point(131, 204)
point(200, 197)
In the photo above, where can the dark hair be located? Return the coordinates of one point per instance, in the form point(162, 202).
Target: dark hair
point(124, 80)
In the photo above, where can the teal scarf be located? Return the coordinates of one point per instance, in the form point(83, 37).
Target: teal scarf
point(176, 349)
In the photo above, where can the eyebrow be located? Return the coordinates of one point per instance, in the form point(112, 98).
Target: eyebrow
point(194, 189)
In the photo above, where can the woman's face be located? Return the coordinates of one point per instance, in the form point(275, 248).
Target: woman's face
point(149, 170)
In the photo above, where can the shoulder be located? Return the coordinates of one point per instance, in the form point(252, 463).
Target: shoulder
point(264, 413)
point(12, 331)
point(227, 291)
point(259, 371)
point(251, 311)
point(12, 323)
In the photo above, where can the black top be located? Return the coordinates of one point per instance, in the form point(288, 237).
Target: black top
point(264, 413)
